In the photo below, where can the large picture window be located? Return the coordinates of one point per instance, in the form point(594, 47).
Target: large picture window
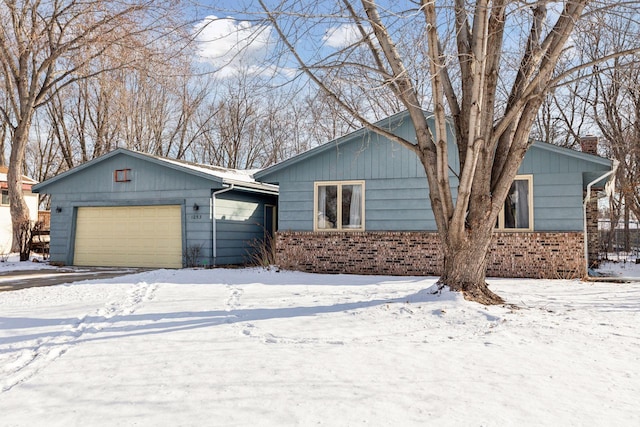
point(517, 212)
point(339, 206)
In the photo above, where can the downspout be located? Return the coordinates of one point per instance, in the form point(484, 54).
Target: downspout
point(214, 237)
point(584, 211)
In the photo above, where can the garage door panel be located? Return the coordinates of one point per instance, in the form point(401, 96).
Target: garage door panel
point(129, 236)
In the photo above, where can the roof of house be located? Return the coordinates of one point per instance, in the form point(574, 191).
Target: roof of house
point(241, 179)
point(25, 179)
point(389, 123)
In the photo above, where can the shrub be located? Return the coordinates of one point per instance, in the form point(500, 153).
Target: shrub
point(191, 255)
point(263, 251)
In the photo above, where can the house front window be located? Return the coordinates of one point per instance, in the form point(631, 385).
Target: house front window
point(339, 205)
point(517, 212)
point(5, 198)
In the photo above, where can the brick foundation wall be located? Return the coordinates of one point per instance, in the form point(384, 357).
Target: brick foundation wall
point(537, 255)
point(532, 255)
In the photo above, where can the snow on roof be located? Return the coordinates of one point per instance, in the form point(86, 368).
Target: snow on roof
point(219, 172)
point(227, 175)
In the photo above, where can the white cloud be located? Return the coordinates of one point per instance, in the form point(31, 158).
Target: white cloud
point(341, 36)
point(231, 45)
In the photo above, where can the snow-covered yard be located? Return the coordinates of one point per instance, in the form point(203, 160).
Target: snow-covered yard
point(257, 347)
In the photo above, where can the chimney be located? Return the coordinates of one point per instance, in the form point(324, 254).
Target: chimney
point(589, 144)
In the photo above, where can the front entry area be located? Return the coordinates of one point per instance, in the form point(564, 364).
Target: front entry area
point(129, 236)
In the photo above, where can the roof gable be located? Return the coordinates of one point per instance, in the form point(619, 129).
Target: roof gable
point(392, 123)
point(389, 123)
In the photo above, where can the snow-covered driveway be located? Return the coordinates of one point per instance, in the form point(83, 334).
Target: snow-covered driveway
point(255, 347)
point(21, 279)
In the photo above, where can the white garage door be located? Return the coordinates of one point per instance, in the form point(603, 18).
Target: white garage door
point(129, 236)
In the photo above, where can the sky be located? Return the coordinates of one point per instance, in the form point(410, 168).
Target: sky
point(231, 45)
point(233, 42)
point(230, 35)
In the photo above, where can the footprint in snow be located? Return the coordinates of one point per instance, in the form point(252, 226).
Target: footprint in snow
point(29, 362)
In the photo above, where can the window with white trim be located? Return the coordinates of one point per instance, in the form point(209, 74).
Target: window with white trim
point(5, 198)
point(338, 205)
point(517, 212)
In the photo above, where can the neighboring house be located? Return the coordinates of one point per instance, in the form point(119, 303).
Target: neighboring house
point(31, 199)
point(132, 209)
point(359, 204)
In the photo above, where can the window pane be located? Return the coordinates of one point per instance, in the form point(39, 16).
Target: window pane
point(352, 206)
point(5, 197)
point(122, 175)
point(327, 211)
point(516, 207)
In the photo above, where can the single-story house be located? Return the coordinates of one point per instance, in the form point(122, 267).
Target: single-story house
point(130, 209)
point(31, 199)
point(359, 204)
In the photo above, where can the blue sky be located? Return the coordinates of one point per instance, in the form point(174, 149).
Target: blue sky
point(231, 40)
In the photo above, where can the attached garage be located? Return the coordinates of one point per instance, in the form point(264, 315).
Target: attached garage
point(131, 209)
point(129, 236)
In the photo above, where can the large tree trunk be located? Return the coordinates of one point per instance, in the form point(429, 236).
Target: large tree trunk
point(465, 263)
point(18, 208)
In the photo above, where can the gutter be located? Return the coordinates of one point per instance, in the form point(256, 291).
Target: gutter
point(259, 188)
point(584, 210)
point(214, 237)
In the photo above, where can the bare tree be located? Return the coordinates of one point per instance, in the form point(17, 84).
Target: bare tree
point(236, 124)
point(191, 95)
point(285, 129)
point(251, 124)
point(565, 114)
point(491, 65)
point(617, 112)
point(42, 157)
point(45, 46)
point(5, 134)
point(329, 120)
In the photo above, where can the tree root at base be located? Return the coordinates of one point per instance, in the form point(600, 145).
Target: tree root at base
point(479, 293)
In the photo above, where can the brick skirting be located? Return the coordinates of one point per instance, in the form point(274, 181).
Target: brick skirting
point(549, 255)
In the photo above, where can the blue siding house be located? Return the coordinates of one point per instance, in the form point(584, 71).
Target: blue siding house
point(360, 204)
point(133, 209)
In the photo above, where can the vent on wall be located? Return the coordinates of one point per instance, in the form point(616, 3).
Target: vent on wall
point(122, 175)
